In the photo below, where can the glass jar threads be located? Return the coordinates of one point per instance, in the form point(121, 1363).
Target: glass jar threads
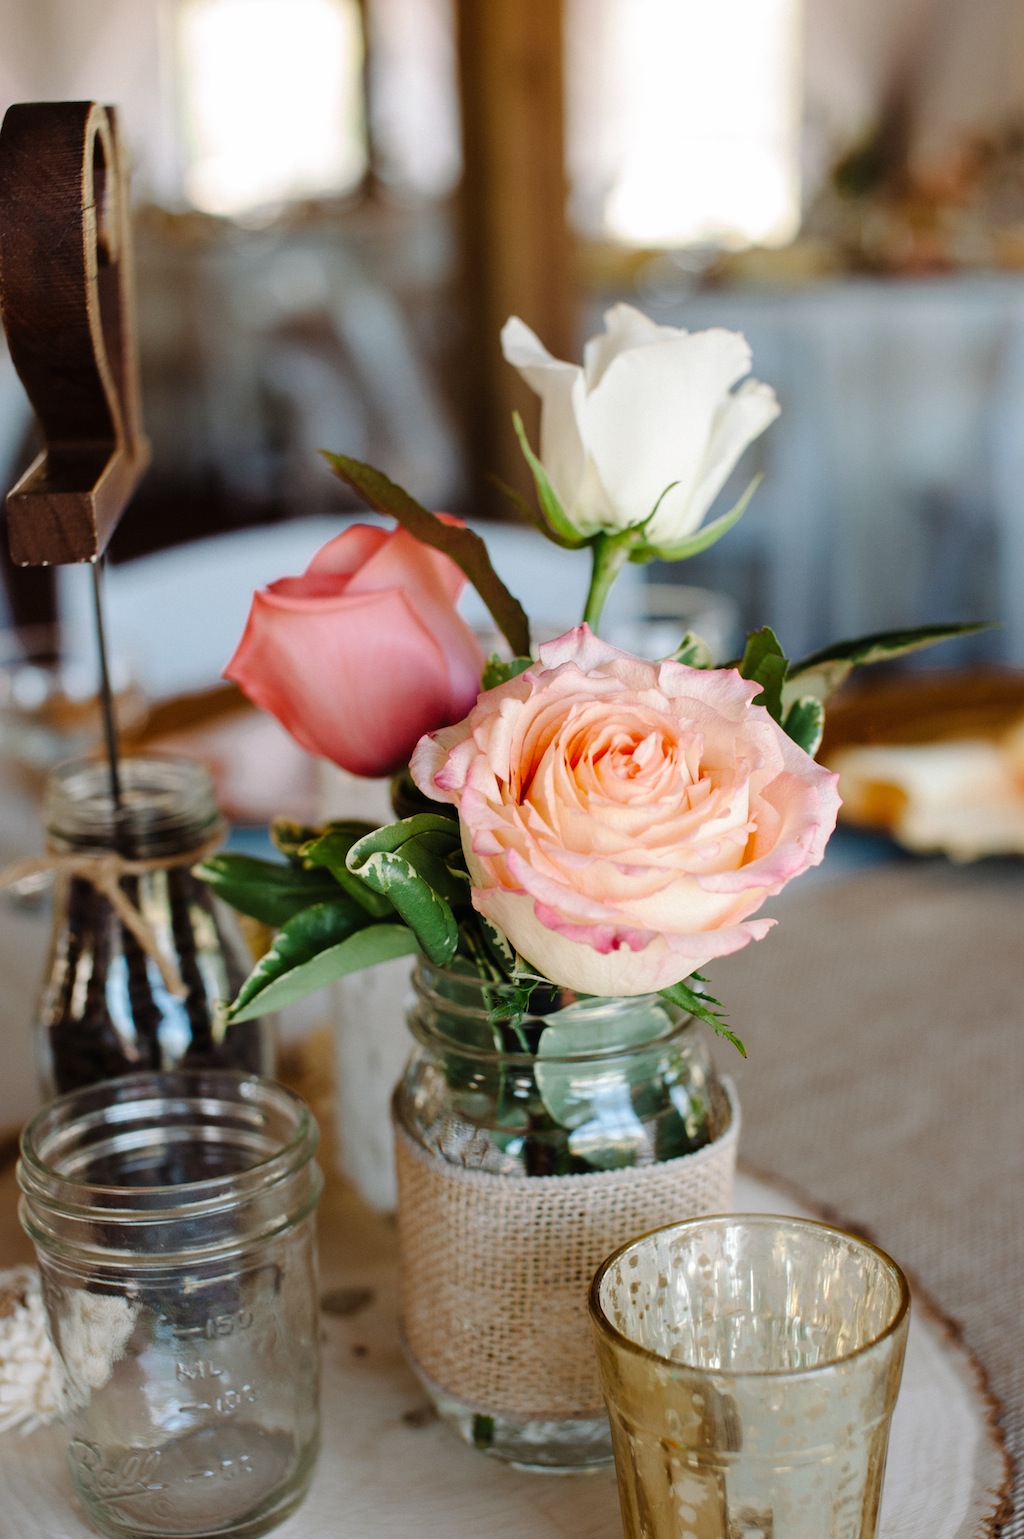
point(173, 1216)
point(141, 952)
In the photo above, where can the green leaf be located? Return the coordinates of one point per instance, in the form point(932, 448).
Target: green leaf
point(730, 1036)
point(330, 850)
point(465, 548)
point(529, 512)
point(426, 840)
point(498, 944)
point(562, 530)
point(497, 671)
point(764, 662)
point(822, 673)
point(701, 1005)
point(407, 862)
point(804, 722)
point(295, 978)
point(267, 890)
point(407, 800)
point(701, 539)
point(579, 1092)
point(483, 1431)
point(692, 651)
point(288, 836)
point(304, 937)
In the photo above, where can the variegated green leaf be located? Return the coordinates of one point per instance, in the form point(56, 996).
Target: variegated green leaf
point(498, 944)
point(330, 850)
point(692, 651)
point(804, 722)
point(287, 836)
point(822, 673)
point(407, 862)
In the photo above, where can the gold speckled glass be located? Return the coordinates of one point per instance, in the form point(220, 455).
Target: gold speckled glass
point(750, 1364)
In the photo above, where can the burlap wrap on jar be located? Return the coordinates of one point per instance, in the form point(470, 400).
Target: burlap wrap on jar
point(495, 1269)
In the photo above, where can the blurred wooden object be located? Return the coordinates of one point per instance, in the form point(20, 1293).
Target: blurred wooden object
point(934, 760)
point(516, 245)
point(924, 707)
point(65, 256)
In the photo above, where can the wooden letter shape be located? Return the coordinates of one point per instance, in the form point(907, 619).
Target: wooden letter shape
point(67, 302)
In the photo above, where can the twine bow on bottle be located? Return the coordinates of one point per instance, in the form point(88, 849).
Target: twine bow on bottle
point(104, 870)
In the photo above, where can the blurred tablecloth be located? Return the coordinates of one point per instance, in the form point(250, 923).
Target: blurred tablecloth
point(884, 1019)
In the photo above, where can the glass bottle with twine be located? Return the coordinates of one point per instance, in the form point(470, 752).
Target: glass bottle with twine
point(142, 955)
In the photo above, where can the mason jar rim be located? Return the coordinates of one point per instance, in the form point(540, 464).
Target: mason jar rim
point(589, 1006)
point(93, 1107)
point(604, 1325)
point(165, 799)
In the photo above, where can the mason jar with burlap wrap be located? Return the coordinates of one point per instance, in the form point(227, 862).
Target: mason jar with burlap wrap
point(527, 1150)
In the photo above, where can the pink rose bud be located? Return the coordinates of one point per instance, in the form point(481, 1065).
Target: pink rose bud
point(363, 653)
point(622, 820)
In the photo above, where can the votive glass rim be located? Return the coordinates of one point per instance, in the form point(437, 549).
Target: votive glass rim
point(731, 1375)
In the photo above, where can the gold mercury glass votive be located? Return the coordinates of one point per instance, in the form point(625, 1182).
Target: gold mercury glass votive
point(750, 1365)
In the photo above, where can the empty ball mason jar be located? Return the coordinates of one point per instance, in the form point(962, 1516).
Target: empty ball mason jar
point(173, 1217)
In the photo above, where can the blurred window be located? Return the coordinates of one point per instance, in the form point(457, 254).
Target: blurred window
point(414, 98)
point(272, 101)
point(684, 120)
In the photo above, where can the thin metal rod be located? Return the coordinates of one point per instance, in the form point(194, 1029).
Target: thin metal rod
point(106, 693)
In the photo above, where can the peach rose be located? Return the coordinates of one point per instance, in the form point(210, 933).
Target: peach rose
point(621, 819)
point(363, 653)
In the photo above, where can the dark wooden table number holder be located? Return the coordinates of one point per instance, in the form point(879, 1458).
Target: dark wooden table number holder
point(67, 300)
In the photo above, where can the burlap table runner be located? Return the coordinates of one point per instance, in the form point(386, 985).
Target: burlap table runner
point(884, 1020)
point(495, 1270)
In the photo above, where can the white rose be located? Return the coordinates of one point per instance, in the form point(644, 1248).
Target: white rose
point(650, 421)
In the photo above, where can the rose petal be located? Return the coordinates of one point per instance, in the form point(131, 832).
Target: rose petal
point(622, 972)
point(743, 417)
point(356, 681)
point(347, 552)
point(624, 327)
point(648, 422)
point(561, 449)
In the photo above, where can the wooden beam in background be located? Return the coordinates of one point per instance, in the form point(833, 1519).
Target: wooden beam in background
point(516, 244)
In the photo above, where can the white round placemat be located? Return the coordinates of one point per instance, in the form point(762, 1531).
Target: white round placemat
point(389, 1468)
